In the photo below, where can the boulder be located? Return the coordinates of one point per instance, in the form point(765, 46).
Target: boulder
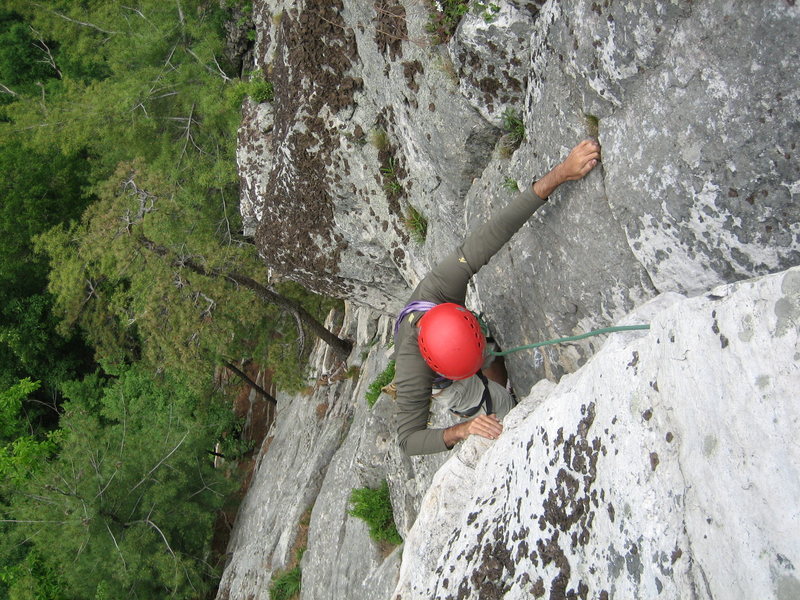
point(666, 467)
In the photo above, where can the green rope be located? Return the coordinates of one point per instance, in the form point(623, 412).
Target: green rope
point(574, 338)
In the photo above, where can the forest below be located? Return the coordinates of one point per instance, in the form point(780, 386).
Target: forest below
point(125, 286)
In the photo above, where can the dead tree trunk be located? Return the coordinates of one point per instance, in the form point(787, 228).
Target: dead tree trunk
point(242, 375)
point(340, 346)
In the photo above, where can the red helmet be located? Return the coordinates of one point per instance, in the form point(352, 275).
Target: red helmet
point(451, 341)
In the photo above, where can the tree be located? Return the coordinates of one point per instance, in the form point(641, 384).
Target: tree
point(24, 448)
point(179, 308)
point(127, 507)
point(38, 191)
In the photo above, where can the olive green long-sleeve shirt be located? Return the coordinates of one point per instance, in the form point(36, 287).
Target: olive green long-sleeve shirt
point(447, 282)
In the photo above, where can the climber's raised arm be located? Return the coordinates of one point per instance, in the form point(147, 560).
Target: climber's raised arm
point(419, 362)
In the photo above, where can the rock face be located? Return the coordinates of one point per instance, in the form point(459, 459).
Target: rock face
point(664, 465)
point(323, 445)
point(286, 481)
point(695, 103)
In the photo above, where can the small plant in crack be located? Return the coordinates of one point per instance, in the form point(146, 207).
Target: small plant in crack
point(513, 125)
point(486, 10)
point(515, 133)
point(417, 224)
point(379, 139)
point(510, 185)
point(444, 19)
point(592, 126)
point(390, 183)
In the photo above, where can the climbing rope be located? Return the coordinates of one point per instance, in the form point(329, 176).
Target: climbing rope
point(574, 338)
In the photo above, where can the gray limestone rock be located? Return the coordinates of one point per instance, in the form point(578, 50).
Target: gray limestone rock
point(663, 468)
point(322, 446)
point(697, 107)
point(702, 153)
point(491, 51)
point(253, 159)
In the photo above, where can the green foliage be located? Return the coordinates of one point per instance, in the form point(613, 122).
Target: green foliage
point(374, 506)
point(262, 91)
point(145, 81)
point(118, 276)
point(510, 185)
point(442, 23)
point(513, 125)
point(21, 56)
point(257, 88)
point(129, 501)
point(40, 189)
point(381, 381)
point(30, 577)
point(233, 446)
point(23, 446)
point(11, 404)
point(118, 127)
point(286, 585)
point(417, 224)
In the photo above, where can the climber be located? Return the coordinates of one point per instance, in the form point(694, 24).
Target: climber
point(440, 344)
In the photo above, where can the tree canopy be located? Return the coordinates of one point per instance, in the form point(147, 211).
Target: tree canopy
point(125, 284)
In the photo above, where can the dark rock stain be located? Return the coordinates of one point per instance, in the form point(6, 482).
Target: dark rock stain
point(653, 461)
point(296, 234)
point(390, 28)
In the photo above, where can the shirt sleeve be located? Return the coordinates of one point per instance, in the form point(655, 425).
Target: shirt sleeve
point(447, 282)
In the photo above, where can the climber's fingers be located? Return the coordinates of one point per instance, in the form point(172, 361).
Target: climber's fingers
point(487, 426)
point(582, 158)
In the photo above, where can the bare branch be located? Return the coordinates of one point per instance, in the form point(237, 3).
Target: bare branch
point(167, 95)
point(179, 282)
point(105, 487)
point(225, 219)
point(301, 334)
point(221, 72)
point(46, 49)
point(209, 69)
point(43, 101)
point(53, 407)
point(163, 537)
point(137, 11)
point(32, 521)
point(180, 13)
point(206, 313)
point(147, 203)
point(7, 90)
point(203, 480)
point(116, 545)
point(188, 133)
point(159, 463)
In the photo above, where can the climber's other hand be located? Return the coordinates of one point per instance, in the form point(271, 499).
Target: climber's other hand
point(582, 158)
